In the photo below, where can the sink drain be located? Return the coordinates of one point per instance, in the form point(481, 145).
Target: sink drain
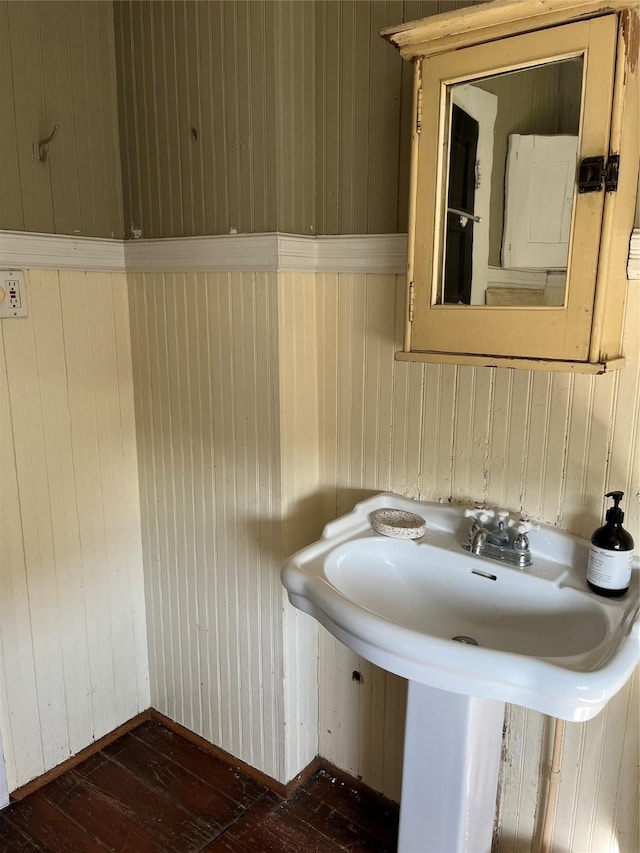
point(468, 640)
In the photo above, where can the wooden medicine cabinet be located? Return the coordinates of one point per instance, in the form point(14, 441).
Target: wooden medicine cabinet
point(525, 148)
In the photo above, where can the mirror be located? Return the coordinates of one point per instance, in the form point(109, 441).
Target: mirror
point(511, 160)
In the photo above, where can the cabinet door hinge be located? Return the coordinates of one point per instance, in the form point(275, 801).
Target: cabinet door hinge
point(597, 174)
point(419, 112)
point(411, 300)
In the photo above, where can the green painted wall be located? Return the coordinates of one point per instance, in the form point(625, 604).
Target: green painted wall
point(264, 116)
point(57, 66)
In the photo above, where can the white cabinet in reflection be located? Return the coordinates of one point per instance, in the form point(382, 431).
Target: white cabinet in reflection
point(538, 198)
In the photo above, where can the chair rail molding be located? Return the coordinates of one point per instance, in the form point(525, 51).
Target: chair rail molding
point(30, 250)
point(267, 252)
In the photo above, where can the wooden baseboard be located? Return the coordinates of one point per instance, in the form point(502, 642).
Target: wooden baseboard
point(283, 790)
point(355, 783)
point(39, 782)
point(303, 777)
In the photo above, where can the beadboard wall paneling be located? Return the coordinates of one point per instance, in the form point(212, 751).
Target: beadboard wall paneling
point(225, 368)
point(216, 109)
point(300, 504)
point(598, 797)
point(547, 444)
point(358, 107)
point(363, 115)
point(4, 787)
point(72, 616)
point(208, 401)
point(57, 66)
point(290, 116)
point(293, 47)
point(598, 804)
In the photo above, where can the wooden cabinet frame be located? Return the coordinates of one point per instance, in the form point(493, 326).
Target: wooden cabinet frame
point(584, 335)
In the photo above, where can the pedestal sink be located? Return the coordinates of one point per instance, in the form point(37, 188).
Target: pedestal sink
point(470, 634)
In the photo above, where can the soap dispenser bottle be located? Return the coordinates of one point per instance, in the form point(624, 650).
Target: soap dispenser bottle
point(611, 553)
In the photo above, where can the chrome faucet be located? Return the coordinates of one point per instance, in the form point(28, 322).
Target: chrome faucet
point(507, 541)
point(479, 540)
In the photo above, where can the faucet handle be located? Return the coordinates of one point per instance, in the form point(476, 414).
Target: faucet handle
point(479, 513)
point(503, 517)
point(524, 526)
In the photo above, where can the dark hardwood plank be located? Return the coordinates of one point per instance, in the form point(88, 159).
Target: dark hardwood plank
point(334, 827)
point(179, 786)
point(168, 823)
point(216, 773)
point(153, 791)
point(237, 764)
point(50, 829)
point(378, 817)
point(269, 828)
point(245, 834)
point(106, 820)
point(12, 839)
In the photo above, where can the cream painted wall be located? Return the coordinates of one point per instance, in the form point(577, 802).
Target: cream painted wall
point(300, 508)
point(208, 456)
point(73, 656)
point(226, 397)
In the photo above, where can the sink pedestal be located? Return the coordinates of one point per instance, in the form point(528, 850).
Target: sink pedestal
point(452, 749)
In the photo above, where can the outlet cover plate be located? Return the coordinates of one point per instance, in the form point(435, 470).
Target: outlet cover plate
point(13, 294)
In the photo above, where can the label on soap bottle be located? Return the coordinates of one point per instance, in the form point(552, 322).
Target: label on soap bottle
point(609, 569)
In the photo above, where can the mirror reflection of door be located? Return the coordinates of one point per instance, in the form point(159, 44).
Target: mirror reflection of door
point(458, 265)
point(512, 153)
point(483, 107)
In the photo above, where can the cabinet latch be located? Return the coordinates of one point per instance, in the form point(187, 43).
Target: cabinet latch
point(411, 300)
point(596, 174)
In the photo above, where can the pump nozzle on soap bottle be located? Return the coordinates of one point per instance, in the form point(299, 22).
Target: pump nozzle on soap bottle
point(611, 553)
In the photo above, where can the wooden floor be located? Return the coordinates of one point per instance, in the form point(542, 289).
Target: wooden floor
point(152, 790)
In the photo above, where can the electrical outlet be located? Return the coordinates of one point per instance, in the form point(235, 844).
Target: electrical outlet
point(13, 294)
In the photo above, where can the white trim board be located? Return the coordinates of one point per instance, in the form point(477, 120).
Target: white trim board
point(271, 252)
point(526, 278)
point(29, 250)
point(220, 253)
point(377, 253)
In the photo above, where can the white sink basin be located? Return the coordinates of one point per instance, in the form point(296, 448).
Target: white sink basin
point(432, 591)
point(543, 639)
